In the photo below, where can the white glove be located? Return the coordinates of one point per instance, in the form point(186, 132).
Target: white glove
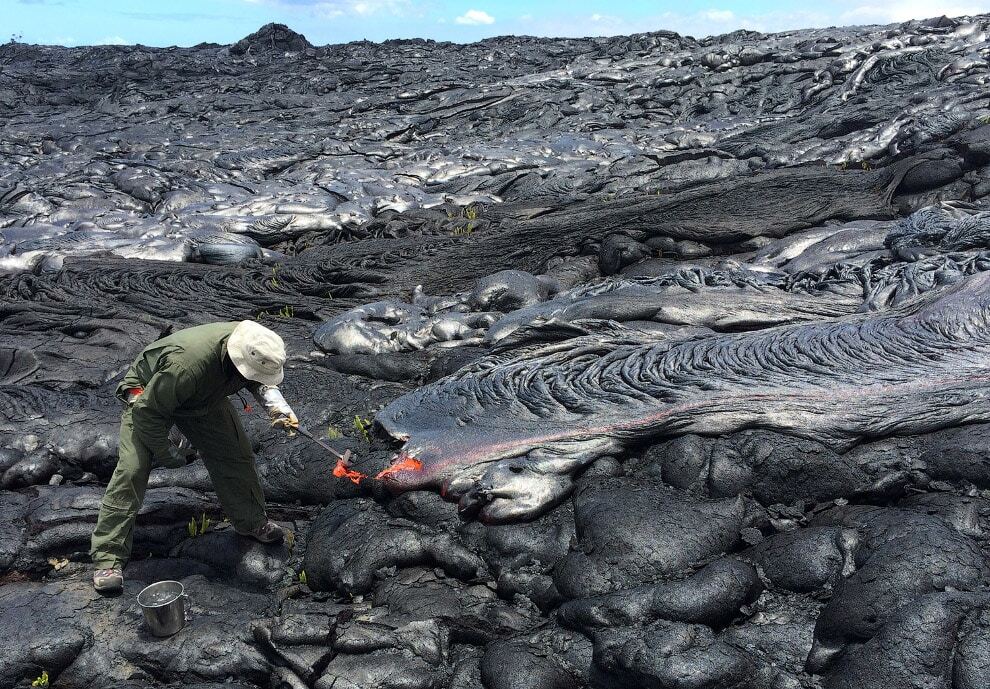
point(279, 411)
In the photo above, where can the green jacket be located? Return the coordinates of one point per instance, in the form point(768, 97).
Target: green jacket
point(185, 374)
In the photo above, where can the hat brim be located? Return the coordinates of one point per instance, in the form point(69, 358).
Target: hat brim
point(237, 351)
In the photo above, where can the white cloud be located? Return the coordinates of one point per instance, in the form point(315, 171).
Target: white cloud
point(113, 40)
point(367, 8)
point(332, 9)
point(719, 15)
point(609, 24)
point(327, 11)
point(67, 41)
point(475, 18)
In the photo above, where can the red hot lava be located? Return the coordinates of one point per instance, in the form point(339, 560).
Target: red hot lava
point(408, 463)
point(344, 471)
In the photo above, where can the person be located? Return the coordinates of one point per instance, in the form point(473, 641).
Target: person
point(183, 380)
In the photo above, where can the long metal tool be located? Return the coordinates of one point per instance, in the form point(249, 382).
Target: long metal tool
point(345, 458)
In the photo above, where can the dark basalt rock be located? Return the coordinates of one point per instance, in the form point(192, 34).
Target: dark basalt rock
point(271, 38)
point(86, 640)
point(902, 557)
point(552, 659)
point(673, 351)
point(711, 596)
point(805, 560)
point(672, 654)
point(633, 532)
point(916, 648)
point(340, 556)
point(775, 468)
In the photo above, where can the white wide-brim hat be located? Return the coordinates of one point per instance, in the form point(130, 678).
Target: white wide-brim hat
point(257, 353)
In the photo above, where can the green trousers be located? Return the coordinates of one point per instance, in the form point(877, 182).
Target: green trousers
point(226, 452)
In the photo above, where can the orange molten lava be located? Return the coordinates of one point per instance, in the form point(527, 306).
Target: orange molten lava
point(343, 471)
point(407, 464)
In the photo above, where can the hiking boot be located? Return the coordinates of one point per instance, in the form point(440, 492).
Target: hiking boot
point(269, 532)
point(111, 579)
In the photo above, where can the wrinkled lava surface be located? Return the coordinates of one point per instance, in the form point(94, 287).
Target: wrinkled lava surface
point(664, 361)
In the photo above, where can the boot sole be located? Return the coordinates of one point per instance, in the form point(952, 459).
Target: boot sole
point(105, 586)
point(279, 537)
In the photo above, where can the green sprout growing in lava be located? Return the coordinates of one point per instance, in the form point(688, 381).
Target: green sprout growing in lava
point(361, 427)
point(198, 529)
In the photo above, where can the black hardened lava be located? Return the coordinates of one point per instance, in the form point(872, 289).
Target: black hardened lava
point(663, 361)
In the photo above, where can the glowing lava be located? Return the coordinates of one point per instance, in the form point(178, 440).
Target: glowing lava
point(406, 464)
point(344, 471)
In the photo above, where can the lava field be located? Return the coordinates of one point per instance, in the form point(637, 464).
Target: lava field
point(665, 363)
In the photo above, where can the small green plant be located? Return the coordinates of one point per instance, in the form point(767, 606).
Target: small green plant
point(334, 433)
point(985, 119)
point(198, 529)
point(273, 281)
point(361, 427)
point(866, 165)
point(285, 311)
point(41, 680)
point(302, 576)
point(471, 214)
point(290, 540)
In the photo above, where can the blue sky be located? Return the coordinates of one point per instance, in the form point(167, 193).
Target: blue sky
point(187, 22)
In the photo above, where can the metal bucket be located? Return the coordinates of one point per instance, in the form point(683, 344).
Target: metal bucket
point(164, 608)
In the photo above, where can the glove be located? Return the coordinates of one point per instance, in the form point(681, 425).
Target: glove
point(279, 411)
point(180, 451)
point(288, 421)
point(181, 443)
